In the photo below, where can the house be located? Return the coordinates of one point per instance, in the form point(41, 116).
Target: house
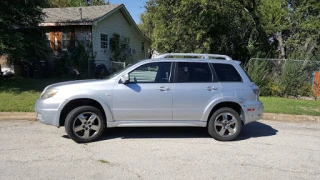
point(94, 26)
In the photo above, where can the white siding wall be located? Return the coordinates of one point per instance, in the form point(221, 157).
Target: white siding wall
point(116, 23)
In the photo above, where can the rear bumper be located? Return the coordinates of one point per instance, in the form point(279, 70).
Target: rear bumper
point(253, 112)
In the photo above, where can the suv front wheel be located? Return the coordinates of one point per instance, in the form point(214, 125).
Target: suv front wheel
point(225, 124)
point(85, 124)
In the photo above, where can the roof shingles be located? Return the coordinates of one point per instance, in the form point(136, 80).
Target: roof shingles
point(73, 14)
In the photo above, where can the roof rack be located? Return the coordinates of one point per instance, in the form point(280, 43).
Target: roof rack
point(203, 56)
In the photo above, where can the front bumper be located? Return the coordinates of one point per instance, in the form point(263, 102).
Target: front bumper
point(253, 112)
point(48, 111)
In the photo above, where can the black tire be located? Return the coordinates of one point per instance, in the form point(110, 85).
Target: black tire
point(81, 128)
point(230, 129)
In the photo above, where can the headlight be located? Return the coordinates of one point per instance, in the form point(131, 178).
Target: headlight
point(49, 93)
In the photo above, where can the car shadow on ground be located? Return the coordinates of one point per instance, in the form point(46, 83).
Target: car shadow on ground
point(256, 130)
point(252, 130)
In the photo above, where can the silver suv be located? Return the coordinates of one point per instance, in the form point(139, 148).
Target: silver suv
point(201, 90)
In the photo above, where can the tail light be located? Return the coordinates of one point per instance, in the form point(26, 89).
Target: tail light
point(255, 89)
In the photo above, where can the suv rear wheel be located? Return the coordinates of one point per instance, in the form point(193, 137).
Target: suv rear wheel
point(225, 124)
point(85, 124)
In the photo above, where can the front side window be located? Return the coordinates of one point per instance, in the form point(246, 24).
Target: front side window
point(104, 41)
point(193, 72)
point(157, 72)
point(226, 73)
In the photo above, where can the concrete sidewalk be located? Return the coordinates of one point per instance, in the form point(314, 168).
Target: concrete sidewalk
point(266, 116)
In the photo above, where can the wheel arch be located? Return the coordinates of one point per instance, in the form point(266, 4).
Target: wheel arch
point(84, 101)
point(220, 104)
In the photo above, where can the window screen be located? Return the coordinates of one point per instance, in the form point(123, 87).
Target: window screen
point(226, 73)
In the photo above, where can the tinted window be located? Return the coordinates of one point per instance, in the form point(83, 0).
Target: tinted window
point(193, 72)
point(158, 72)
point(226, 73)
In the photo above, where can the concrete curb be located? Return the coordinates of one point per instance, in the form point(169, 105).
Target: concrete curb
point(289, 117)
point(266, 116)
point(18, 116)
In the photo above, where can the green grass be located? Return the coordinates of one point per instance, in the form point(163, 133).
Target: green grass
point(290, 106)
point(20, 95)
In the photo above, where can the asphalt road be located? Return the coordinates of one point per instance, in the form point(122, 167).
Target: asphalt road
point(265, 150)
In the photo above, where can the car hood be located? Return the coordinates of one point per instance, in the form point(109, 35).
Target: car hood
point(76, 84)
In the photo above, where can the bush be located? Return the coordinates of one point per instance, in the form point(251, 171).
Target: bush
point(293, 78)
point(74, 61)
point(281, 78)
point(259, 72)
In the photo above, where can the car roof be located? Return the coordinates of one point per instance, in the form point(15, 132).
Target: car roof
point(195, 57)
point(220, 61)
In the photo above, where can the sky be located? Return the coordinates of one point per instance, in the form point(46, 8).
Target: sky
point(135, 7)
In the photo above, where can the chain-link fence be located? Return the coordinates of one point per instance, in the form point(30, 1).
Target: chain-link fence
point(284, 77)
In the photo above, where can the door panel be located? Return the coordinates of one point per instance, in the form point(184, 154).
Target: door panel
point(142, 102)
point(147, 95)
point(195, 87)
point(191, 99)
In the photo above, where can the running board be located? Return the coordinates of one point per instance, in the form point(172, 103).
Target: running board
point(157, 124)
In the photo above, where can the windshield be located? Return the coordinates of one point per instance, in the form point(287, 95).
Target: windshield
point(120, 71)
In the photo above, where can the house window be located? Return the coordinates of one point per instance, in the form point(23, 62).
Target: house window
point(66, 37)
point(104, 41)
point(142, 46)
point(48, 39)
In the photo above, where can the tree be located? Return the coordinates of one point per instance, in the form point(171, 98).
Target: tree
point(303, 42)
point(242, 29)
point(197, 26)
point(16, 16)
point(291, 25)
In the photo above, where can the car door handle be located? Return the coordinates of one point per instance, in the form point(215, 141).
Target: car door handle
point(163, 88)
point(210, 88)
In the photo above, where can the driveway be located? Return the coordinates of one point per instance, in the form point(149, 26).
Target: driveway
point(265, 150)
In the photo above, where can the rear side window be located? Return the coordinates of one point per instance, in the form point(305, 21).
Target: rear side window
point(193, 72)
point(226, 73)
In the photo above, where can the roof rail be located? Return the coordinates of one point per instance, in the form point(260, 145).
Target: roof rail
point(203, 56)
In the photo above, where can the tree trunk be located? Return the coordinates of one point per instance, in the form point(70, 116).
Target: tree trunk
point(279, 38)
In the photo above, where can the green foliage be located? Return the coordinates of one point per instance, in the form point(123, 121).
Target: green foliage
point(73, 61)
point(119, 47)
point(283, 78)
point(242, 29)
point(198, 26)
point(79, 57)
point(16, 17)
point(293, 78)
point(259, 72)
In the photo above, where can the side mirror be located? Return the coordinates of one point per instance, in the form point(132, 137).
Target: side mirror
point(124, 79)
